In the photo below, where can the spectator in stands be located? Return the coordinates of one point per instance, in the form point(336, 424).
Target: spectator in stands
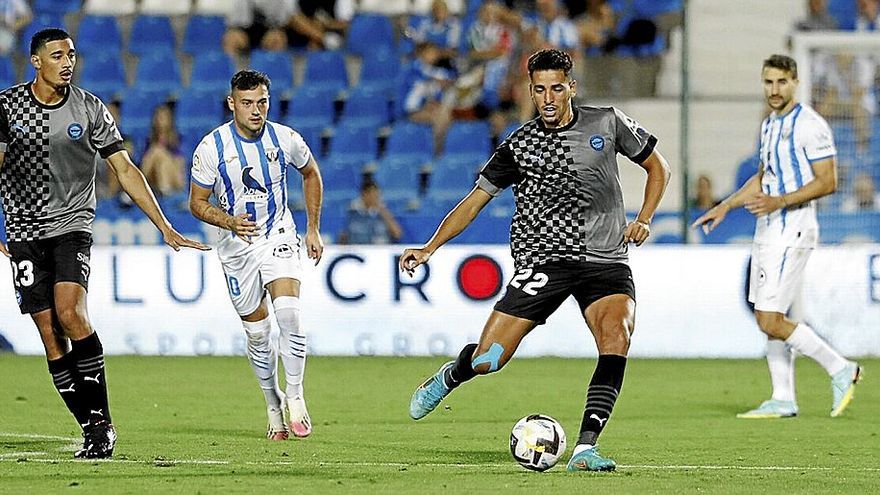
point(704, 197)
point(490, 44)
point(16, 14)
point(868, 15)
point(818, 18)
point(441, 29)
point(596, 24)
point(864, 197)
point(320, 24)
point(258, 24)
point(162, 164)
point(424, 92)
point(369, 220)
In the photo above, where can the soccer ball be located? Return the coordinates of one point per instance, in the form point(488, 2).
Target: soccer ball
point(537, 442)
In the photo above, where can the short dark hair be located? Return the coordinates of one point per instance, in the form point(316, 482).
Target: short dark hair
point(244, 80)
point(782, 62)
point(43, 36)
point(550, 59)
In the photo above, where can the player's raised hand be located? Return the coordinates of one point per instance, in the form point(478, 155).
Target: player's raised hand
point(637, 232)
point(243, 227)
point(764, 204)
point(314, 245)
point(177, 241)
point(711, 218)
point(3, 250)
point(411, 258)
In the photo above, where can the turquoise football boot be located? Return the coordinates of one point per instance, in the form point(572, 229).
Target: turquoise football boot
point(429, 394)
point(590, 460)
point(772, 409)
point(843, 385)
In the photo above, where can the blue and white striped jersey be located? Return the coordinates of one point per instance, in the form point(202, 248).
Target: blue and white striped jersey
point(250, 176)
point(790, 144)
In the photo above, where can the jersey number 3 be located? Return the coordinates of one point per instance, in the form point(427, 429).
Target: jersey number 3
point(529, 281)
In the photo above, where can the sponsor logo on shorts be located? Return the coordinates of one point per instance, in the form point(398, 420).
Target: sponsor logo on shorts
point(762, 277)
point(283, 251)
point(597, 142)
point(75, 131)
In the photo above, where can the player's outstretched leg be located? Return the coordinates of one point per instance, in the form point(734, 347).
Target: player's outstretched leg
point(601, 396)
point(292, 347)
point(452, 374)
point(843, 385)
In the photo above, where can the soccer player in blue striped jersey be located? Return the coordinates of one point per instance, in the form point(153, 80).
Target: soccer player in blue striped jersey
point(797, 166)
point(245, 164)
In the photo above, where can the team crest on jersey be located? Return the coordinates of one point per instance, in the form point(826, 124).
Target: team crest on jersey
point(283, 251)
point(597, 142)
point(75, 131)
point(272, 155)
point(251, 186)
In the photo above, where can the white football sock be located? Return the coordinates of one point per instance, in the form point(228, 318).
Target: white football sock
point(780, 360)
point(263, 359)
point(804, 340)
point(292, 343)
point(580, 448)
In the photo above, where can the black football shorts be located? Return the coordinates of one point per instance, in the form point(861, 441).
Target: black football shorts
point(535, 293)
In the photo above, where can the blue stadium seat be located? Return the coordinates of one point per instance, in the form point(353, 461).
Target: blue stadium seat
point(380, 70)
point(366, 107)
point(409, 138)
point(211, 71)
point(103, 74)
point(7, 73)
point(485, 229)
point(278, 66)
point(136, 112)
point(452, 177)
point(342, 176)
point(354, 142)
point(158, 72)
point(745, 170)
point(398, 177)
point(312, 136)
point(198, 112)
point(39, 22)
point(837, 227)
point(203, 33)
point(650, 9)
point(99, 34)
point(326, 68)
point(56, 6)
point(312, 105)
point(151, 33)
point(845, 12)
point(469, 138)
point(370, 33)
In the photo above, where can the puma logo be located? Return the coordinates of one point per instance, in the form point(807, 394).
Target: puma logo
point(99, 412)
point(90, 379)
point(63, 390)
point(600, 420)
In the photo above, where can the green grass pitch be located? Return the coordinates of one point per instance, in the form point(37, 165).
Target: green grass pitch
point(196, 425)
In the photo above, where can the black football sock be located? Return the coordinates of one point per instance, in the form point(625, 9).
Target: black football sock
point(601, 395)
point(462, 370)
point(89, 356)
point(63, 371)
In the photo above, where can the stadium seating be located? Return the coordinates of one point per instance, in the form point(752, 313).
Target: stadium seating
point(844, 11)
point(136, 112)
point(55, 6)
point(837, 227)
point(398, 177)
point(39, 22)
point(158, 72)
point(278, 66)
point(410, 139)
point(342, 176)
point(151, 34)
point(198, 112)
point(103, 74)
point(312, 105)
point(99, 34)
point(469, 139)
point(326, 68)
point(203, 33)
point(354, 142)
point(312, 136)
point(7, 72)
point(366, 107)
point(211, 72)
point(369, 33)
point(452, 177)
point(379, 71)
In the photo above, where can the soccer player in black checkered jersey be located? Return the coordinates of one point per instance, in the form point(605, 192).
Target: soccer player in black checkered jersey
point(50, 133)
point(569, 237)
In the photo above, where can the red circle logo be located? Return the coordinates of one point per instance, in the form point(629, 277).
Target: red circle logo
point(479, 277)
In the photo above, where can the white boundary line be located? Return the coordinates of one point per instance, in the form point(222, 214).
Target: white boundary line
point(33, 436)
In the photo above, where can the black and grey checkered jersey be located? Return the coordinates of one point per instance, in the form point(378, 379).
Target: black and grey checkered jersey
point(569, 205)
point(47, 179)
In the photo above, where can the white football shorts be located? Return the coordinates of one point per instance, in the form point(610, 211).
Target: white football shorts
point(776, 277)
point(250, 267)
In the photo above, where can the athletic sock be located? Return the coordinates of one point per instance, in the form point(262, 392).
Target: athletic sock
point(780, 360)
point(601, 396)
point(263, 359)
point(63, 371)
point(804, 340)
point(88, 354)
point(462, 370)
point(292, 343)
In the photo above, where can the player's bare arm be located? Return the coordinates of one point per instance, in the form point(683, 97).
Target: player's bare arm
point(453, 224)
point(658, 178)
point(199, 205)
point(825, 183)
point(313, 190)
point(133, 182)
point(715, 215)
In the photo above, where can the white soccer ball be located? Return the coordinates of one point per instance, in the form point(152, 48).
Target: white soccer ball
point(537, 442)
